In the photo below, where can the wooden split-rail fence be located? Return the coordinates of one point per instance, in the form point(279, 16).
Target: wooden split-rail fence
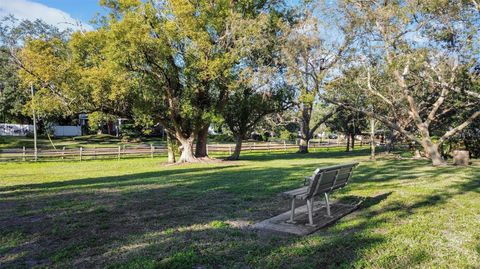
point(120, 152)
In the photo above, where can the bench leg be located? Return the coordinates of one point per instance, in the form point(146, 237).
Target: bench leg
point(327, 202)
point(313, 206)
point(310, 212)
point(292, 212)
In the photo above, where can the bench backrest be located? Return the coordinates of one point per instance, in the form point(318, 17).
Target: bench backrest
point(327, 179)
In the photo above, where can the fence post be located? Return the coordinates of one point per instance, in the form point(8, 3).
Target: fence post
point(23, 154)
point(152, 149)
point(81, 151)
point(207, 149)
point(250, 147)
point(119, 151)
point(253, 145)
point(63, 153)
point(124, 152)
point(284, 146)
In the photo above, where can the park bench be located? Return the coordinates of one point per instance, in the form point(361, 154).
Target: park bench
point(323, 181)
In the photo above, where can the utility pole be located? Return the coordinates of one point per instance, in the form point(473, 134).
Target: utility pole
point(34, 124)
point(2, 87)
point(372, 139)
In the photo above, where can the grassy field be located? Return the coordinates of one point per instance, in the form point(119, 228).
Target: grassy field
point(140, 213)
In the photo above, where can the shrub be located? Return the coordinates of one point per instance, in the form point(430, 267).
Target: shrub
point(257, 137)
point(129, 130)
point(221, 138)
point(287, 135)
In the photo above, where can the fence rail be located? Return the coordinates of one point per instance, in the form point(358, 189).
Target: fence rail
point(89, 153)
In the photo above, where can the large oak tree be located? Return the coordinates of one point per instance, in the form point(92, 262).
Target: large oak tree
point(181, 54)
point(425, 49)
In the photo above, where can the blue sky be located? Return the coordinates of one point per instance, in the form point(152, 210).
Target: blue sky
point(62, 13)
point(83, 10)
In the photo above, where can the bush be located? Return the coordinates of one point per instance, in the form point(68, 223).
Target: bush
point(287, 135)
point(129, 130)
point(257, 137)
point(468, 139)
point(472, 139)
point(221, 138)
point(266, 136)
point(473, 146)
point(126, 139)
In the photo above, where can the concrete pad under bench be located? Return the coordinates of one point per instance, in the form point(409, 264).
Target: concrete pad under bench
point(300, 227)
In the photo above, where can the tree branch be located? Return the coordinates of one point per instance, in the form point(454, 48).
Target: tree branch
point(323, 120)
point(436, 106)
point(459, 127)
point(374, 92)
point(381, 118)
point(473, 94)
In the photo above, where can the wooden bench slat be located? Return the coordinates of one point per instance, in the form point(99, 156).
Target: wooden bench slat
point(296, 192)
point(323, 181)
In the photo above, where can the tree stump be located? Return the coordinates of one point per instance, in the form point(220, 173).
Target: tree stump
point(461, 157)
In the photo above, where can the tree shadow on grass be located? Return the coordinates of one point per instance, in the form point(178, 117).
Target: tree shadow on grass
point(188, 216)
point(64, 220)
point(113, 181)
point(433, 201)
point(344, 245)
point(320, 154)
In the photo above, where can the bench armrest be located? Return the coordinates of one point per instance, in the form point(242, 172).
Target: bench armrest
point(306, 181)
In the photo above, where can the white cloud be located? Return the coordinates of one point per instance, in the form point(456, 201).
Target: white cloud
point(26, 9)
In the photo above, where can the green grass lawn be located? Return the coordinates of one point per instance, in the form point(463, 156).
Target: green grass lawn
point(139, 213)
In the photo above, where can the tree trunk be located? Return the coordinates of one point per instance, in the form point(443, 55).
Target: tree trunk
point(187, 150)
point(372, 139)
point(348, 143)
point(353, 140)
point(306, 110)
point(431, 149)
point(305, 130)
point(238, 148)
point(391, 141)
point(303, 145)
point(171, 147)
point(202, 139)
